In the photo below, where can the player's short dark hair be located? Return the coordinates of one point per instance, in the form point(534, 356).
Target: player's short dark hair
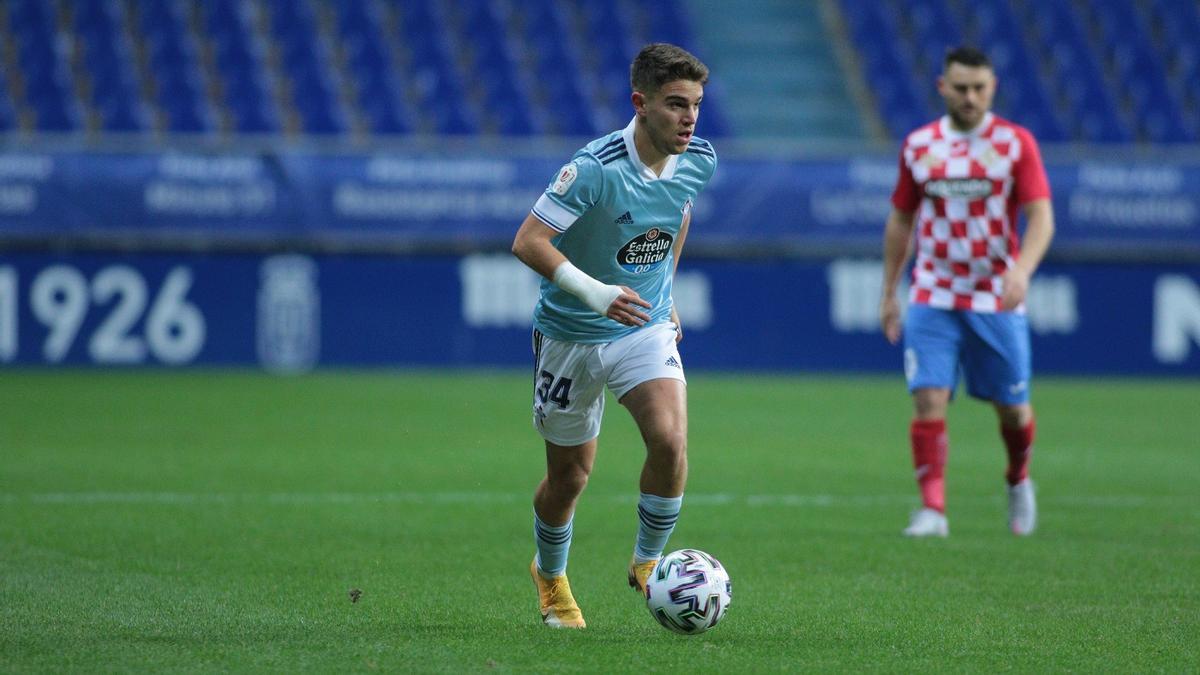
point(967, 56)
point(660, 63)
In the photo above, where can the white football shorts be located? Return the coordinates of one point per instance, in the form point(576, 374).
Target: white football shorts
point(569, 378)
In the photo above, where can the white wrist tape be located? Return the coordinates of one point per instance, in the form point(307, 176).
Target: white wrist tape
point(594, 294)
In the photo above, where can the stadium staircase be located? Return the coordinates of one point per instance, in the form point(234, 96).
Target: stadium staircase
point(779, 70)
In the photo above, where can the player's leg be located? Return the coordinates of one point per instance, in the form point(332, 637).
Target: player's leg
point(999, 370)
point(932, 339)
point(929, 442)
point(1017, 428)
point(647, 378)
point(567, 409)
point(659, 407)
point(567, 471)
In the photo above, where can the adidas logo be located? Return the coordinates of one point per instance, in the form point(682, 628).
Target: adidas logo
point(625, 219)
point(674, 362)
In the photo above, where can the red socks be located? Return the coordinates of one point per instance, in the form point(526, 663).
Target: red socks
point(929, 459)
point(929, 445)
point(1019, 444)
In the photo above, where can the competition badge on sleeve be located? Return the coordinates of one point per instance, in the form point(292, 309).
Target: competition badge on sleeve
point(566, 176)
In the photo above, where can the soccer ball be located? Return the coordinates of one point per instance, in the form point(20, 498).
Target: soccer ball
point(688, 591)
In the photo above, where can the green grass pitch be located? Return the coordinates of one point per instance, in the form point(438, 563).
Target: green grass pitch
point(217, 521)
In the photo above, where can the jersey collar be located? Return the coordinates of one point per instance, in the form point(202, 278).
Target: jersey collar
point(949, 132)
point(668, 171)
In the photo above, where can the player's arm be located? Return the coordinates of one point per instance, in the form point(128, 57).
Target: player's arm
point(1032, 192)
point(677, 250)
point(533, 246)
point(1039, 231)
point(897, 239)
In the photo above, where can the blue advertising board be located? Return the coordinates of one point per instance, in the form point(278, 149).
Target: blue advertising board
point(291, 312)
point(474, 201)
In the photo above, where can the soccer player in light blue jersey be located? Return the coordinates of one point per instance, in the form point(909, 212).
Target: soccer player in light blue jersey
point(606, 236)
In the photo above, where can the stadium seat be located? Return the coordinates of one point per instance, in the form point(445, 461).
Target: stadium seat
point(667, 21)
point(935, 30)
point(1138, 65)
point(1077, 75)
point(8, 115)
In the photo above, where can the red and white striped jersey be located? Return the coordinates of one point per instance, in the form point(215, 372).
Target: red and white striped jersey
point(966, 189)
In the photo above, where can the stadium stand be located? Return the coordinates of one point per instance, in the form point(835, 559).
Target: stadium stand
point(1102, 71)
point(324, 68)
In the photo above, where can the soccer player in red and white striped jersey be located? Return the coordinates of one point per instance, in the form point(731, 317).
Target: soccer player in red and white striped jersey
point(964, 180)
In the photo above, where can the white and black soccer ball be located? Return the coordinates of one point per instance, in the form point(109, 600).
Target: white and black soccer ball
point(688, 591)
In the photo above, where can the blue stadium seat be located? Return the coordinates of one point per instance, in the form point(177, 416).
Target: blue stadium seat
point(377, 97)
point(254, 117)
point(714, 123)
point(8, 114)
point(30, 17)
point(354, 17)
point(1178, 22)
point(239, 56)
point(317, 103)
point(160, 20)
point(1077, 75)
point(224, 17)
point(180, 96)
point(875, 30)
point(874, 27)
point(544, 21)
point(506, 97)
point(116, 97)
point(435, 79)
point(123, 115)
point(568, 107)
point(306, 63)
point(935, 30)
point(668, 23)
point(49, 85)
point(1021, 95)
point(250, 102)
point(49, 94)
point(1138, 66)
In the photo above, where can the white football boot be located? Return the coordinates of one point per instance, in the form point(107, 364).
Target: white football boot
point(927, 523)
point(1022, 508)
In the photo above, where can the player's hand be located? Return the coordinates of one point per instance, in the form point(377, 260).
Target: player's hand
point(1016, 285)
point(625, 310)
point(889, 319)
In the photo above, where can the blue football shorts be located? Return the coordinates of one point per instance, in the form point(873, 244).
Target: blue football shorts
point(991, 350)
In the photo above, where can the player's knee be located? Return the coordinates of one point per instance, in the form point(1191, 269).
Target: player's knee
point(931, 404)
point(669, 445)
point(568, 481)
point(1014, 416)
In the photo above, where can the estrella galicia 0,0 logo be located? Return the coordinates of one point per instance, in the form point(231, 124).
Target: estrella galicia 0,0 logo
point(645, 251)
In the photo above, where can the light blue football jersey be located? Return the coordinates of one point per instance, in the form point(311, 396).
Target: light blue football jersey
point(619, 223)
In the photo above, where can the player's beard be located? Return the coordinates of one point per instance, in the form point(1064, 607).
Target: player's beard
point(964, 123)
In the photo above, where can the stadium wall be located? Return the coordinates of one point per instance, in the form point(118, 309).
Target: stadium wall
point(302, 259)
